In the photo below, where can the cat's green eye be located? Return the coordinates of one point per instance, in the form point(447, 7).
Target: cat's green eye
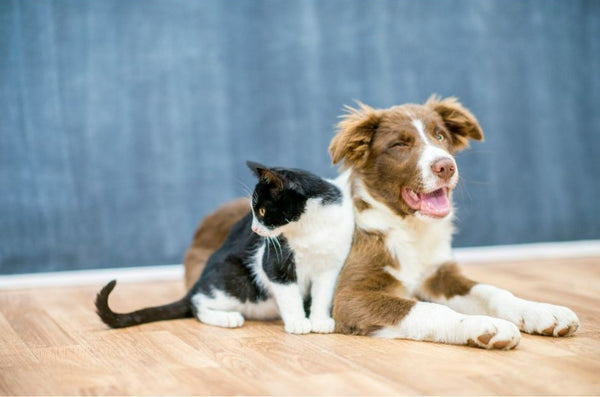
point(261, 211)
point(440, 137)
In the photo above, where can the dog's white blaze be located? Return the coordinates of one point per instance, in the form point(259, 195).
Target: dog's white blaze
point(430, 154)
point(418, 124)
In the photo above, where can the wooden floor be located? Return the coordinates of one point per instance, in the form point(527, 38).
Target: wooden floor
point(51, 342)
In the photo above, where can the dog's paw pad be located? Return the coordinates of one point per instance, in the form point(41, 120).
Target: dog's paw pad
point(549, 320)
point(549, 330)
point(485, 338)
point(503, 344)
point(570, 330)
point(491, 333)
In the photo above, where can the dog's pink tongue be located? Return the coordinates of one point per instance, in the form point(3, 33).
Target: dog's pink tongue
point(435, 203)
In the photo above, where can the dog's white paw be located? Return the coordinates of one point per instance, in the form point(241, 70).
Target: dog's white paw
point(489, 332)
point(322, 325)
point(547, 319)
point(297, 326)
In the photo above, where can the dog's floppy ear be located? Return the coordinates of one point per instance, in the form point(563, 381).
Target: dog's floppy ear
point(459, 121)
point(354, 135)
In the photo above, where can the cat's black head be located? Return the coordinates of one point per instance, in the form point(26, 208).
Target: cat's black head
point(279, 198)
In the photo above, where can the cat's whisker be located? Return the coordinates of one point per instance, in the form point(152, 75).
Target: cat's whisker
point(249, 192)
point(276, 246)
point(276, 240)
point(268, 243)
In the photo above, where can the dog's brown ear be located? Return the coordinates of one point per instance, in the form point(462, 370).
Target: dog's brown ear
point(354, 135)
point(459, 121)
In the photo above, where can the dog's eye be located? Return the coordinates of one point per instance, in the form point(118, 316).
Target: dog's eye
point(262, 211)
point(440, 137)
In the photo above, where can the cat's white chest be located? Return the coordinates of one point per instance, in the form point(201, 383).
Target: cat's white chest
point(323, 239)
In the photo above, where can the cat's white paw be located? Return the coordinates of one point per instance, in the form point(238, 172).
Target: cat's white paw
point(322, 325)
point(297, 326)
point(234, 320)
point(489, 332)
point(221, 318)
point(547, 319)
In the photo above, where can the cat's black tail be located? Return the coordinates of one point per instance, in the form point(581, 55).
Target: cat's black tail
point(171, 311)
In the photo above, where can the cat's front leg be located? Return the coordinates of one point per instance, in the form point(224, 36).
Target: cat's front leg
point(291, 308)
point(322, 290)
point(450, 287)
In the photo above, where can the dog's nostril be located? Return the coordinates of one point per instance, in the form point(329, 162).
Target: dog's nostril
point(443, 168)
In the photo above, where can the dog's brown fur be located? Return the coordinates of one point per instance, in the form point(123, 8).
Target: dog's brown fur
point(383, 172)
point(370, 142)
point(371, 296)
point(209, 236)
point(447, 281)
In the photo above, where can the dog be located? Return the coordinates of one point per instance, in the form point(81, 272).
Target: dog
point(400, 279)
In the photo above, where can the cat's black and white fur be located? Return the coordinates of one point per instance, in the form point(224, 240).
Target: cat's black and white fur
point(286, 252)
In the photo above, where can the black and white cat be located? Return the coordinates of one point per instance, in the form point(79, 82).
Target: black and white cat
point(280, 260)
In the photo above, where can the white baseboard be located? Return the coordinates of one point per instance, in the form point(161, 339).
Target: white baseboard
point(93, 277)
point(569, 249)
point(516, 252)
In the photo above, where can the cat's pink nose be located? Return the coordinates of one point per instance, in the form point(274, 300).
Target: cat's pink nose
point(254, 229)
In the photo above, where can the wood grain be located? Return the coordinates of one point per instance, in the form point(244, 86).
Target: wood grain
point(52, 343)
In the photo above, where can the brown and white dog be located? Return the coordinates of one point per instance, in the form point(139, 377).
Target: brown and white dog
point(400, 279)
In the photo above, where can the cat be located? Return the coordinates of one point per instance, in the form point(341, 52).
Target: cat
point(280, 261)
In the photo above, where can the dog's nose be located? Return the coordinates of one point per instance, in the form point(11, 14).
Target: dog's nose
point(444, 168)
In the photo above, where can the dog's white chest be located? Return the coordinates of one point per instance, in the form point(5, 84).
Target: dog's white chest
point(419, 249)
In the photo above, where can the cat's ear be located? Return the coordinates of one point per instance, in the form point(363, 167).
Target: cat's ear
point(257, 168)
point(266, 174)
point(354, 134)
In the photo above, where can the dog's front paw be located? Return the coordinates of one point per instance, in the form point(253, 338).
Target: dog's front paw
point(297, 326)
point(546, 319)
point(489, 333)
point(322, 325)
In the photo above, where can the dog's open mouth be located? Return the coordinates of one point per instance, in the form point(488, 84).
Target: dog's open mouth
point(435, 204)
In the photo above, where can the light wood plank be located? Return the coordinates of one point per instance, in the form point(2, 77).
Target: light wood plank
point(51, 342)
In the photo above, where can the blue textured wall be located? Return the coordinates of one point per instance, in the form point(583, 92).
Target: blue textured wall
point(124, 122)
